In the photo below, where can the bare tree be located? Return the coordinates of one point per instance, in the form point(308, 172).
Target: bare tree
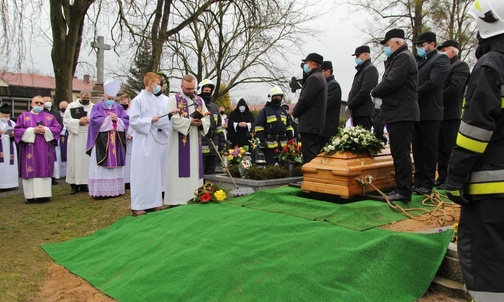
point(240, 42)
point(448, 18)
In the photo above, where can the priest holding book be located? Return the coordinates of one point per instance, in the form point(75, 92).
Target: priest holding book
point(184, 170)
point(106, 144)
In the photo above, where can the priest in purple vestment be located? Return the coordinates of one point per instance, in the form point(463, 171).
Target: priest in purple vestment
point(106, 144)
point(35, 133)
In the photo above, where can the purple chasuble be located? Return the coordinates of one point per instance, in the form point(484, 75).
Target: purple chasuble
point(11, 148)
point(184, 149)
point(110, 145)
point(36, 160)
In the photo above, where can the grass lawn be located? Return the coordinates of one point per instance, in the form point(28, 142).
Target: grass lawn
point(23, 228)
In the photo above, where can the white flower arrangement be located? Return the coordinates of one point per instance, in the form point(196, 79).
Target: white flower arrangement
point(354, 139)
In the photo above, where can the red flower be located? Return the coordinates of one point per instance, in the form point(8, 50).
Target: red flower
point(286, 149)
point(205, 197)
point(291, 142)
point(276, 151)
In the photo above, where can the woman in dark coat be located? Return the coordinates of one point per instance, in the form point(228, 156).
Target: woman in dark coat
point(241, 123)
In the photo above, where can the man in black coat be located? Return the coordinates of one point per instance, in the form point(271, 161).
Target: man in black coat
point(432, 72)
point(333, 105)
point(360, 103)
point(399, 110)
point(453, 93)
point(311, 106)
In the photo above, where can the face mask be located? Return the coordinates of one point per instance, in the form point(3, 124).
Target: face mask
point(306, 69)
point(37, 109)
point(222, 112)
point(358, 61)
point(62, 110)
point(4, 119)
point(125, 106)
point(388, 51)
point(276, 101)
point(241, 108)
point(84, 102)
point(157, 90)
point(206, 95)
point(109, 102)
point(47, 105)
point(421, 52)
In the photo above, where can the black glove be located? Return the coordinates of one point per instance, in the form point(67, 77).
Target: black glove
point(456, 193)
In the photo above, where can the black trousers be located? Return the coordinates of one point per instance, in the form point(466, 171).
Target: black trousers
point(365, 121)
point(209, 163)
point(401, 135)
point(322, 141)
point(425, 138)
point(309, 146)
point(446, 141)
point(481, 244)
point(269, 155)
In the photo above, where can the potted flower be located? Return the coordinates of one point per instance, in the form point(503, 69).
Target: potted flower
point(290, 153)
point(235, 155)
point(208, 193)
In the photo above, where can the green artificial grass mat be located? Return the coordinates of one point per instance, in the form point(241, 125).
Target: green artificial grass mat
point(357, 215)
point(221, 252)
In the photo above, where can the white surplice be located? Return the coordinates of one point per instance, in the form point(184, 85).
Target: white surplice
point(9, 177)
point(147, 151)
point(129, 147)
point(164, 136)
point(179, 190)
point(77, 159)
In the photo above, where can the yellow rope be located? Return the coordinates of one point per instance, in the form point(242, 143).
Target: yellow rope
point(435, 199)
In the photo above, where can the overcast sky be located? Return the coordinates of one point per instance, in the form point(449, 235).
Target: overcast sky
point(337, 31)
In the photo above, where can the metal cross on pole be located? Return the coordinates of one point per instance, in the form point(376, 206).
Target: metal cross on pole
point(100, 58)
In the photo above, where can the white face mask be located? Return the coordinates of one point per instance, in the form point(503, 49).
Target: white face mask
point(241, 108)
point(47, 105)
point(4, 119)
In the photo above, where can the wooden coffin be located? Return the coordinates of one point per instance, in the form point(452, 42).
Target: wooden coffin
point(339, 174)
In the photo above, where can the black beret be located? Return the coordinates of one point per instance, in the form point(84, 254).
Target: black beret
point(5, 109)
point(427, 36)
point(327, 65)
point(449, 43)
point(393, 33)
point(314, 57)
point(361, 49)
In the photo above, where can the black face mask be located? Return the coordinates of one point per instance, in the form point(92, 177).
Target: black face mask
point(84, 102)
point(276, 101)
point(207, 96)
point(125, 106)
point(62, 110)
point(222, 112)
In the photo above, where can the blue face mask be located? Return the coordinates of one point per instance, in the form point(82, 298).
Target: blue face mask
point(37, 109)
point(359, 61)
point(421, 52)
point(157, 89)
point(306, 69)
point(388, 51)
point(109, 102)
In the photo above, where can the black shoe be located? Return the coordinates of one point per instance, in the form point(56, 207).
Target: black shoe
point(83, 188)
point(421, 190)
point(74, 190)
point(29, 200)
point(54, 182)
point(438, 182)
point(393, 196)
point(442, 187)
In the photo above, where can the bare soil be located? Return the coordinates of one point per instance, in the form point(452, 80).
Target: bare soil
point(62, 285)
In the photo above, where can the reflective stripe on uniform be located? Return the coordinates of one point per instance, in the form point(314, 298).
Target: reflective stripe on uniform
point(471, 144)
point(259, 129)
point(271, 144)
point(271, 119)
point(289, 129)
point(486, 182)
point(475, 132)
point(205, 149)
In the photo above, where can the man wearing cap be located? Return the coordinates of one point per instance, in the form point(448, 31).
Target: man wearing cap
point(360, 103)
point(8, 151)
point(106, 144)
point(432, 72)
point(399, 109)
point(311, 106)
point(453, 93)
point(333, 105)
point(77, 127)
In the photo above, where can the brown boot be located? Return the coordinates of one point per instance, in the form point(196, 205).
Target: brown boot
point(136, 213)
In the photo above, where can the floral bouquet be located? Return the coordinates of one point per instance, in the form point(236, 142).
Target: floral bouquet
point(290, 153)
point(354, 139)
point(207, 193)
point(235, 155)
